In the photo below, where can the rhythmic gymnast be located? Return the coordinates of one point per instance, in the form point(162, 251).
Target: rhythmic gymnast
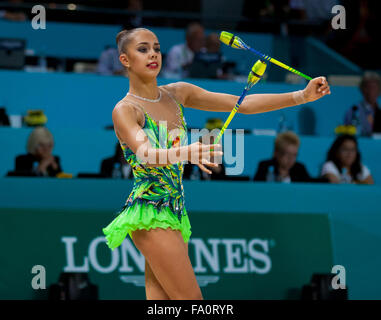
point(154, 214)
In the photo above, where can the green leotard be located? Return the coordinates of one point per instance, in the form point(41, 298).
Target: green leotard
point(157, 197)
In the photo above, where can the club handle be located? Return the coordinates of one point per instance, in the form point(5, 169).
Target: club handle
point(278, 63)
point(231, 115)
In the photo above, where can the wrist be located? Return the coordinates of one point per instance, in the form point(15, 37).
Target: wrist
point(299, 97)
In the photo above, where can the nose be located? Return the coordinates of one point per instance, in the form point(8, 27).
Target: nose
point(153, 53)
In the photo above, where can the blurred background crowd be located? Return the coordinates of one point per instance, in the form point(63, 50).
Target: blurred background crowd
point(198, 54)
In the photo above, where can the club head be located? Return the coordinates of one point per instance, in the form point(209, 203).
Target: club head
point(256, 73)
point(232, 41)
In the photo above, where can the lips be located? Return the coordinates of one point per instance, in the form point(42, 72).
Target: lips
point(153, 65)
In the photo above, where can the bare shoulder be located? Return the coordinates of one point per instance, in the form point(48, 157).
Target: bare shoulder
point(180, 90)
point(126, 111)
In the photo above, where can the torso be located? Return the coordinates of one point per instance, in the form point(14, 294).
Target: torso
point(159, 185)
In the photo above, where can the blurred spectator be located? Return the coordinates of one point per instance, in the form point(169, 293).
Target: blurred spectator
point(359, 41)
point(193, 172)
point(343, 164)
point(13, 15)
point(39, 161)
point(109, 64)
point(264, 15)
point(136, 20)
point(4, 119)
point(209, 61)
point(283, 166)
point(366, 115)
point(312, 10)
point(180, 56)
point(264, 8)
point(116, 166)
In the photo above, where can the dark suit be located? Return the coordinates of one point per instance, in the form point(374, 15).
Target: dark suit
point(107, 168)
point(188, 167)
point(298, 172)
point(25, 164)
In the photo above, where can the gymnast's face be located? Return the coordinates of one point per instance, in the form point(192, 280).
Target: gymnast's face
point(143, 55)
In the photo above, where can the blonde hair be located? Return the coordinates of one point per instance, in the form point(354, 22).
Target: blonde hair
point(37, 136)
point(286, 138)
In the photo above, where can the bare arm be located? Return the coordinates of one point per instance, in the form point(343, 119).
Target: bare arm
point(331, 178)
point(195, 97)
point(367, 180)
point(128, 130)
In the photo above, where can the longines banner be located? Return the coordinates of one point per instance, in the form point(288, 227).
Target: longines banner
point(234, 255)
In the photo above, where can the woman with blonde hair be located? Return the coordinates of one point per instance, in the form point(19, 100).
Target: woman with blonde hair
point(150, 126)
point(39, 161)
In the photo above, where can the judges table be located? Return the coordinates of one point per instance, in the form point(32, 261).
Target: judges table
point(249, 240)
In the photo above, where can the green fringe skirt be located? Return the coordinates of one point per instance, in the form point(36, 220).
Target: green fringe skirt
point(143, 215)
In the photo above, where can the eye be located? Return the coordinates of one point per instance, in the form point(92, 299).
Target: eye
point(142, 49)
point(157, 49)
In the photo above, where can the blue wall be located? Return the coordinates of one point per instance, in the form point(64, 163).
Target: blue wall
point(79, 40)
point(86, 101)
point(62, 40)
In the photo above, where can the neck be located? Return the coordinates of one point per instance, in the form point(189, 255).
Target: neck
point(144, 89)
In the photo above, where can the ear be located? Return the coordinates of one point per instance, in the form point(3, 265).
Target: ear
point(124, 60)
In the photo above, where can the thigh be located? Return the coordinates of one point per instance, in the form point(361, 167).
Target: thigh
point(154, 290)
point(167, 255)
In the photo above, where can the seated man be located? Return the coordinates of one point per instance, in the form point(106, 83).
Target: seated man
point(208, 62)
point(366, 115)
point(109, 64)
point(193, 172)
point(180, 56)
point(116, 166)
point(283, 166)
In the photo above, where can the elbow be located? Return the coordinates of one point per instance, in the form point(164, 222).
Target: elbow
point(245, 109)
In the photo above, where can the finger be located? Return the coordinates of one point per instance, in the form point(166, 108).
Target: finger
point(322, 80)
point(207, 147)
point(216, 157)
point(326, 91)
point(212, 164)
point(202, 167)
point(216, 153)
point(206, 162)
point(323, 88)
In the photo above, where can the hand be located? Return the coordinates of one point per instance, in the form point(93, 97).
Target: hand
point(283, 173)
point(316, 88)
point(46, 162)
point(200, 154)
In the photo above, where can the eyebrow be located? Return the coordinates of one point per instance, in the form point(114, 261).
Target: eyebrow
point(156, 43)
